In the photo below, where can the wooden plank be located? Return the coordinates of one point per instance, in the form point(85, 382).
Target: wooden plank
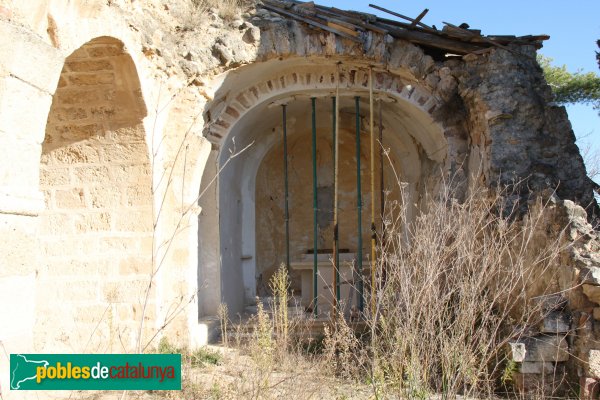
point(487, 40)
point(419, 17)
point(342, 28)
point(310, 22)
point(348, 17)
point(399, 16)
point(438, 42)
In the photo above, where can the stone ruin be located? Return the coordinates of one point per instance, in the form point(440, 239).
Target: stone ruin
point(115, 116)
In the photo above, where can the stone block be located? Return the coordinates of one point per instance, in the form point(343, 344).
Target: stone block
point(23, 110)
point(537, 368)
point(542, 348)
point(68, 199)
point(131, 173)
point(75, 154)
point(54, 177)
point(88, 65)
point(88, 174)
point(588, 388)
point(590, 275)
point(592, 292)
point(139, 195)
point(544, 385)
point(92, 79)
point(594, 364)
point(93, 222)
point(23, 52)
point(135, 265)
point(77, 96)
point(126, 153)
point(135, 221)
point(104, 197)
point(56, 224)
point(556, 322)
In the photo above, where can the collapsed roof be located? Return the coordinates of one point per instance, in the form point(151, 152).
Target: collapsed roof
point(353, 25)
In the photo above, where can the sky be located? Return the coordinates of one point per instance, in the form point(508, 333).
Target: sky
point(573, 26)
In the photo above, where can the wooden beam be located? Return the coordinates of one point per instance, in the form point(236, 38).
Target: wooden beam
point(485, 40)
point(419, 18)
point(310, 22)
point(342, 28)
point(401, 16)
point(350, 18)
point(428, 39)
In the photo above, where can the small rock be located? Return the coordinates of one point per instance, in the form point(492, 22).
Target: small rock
point(222, 53)
point(592, 292)
point(590, 275)
point(594, 363)
point(470, 57)
point(556, 322)
point(588, 388)
point(252, 35)
point(544, 348)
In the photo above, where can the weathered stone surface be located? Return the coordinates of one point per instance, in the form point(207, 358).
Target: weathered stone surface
point(540, 349)
point(588, 388)
point(592, 292)
point(23, 52)
point(590, 275)
point(532, 367)
point(594, 363)
point(556, 322)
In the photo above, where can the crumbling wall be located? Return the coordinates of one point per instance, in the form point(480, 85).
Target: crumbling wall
point(517, 134)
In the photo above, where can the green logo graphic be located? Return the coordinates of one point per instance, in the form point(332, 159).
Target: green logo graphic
point(95, 371)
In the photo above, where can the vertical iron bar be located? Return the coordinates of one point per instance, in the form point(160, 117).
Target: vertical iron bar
point(336, 248)
point(359, 207)
point(286, 201)
point(373, 228)
point(315, 206)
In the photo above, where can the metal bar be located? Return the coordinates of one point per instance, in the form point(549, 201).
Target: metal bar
point(359, 208)
point(373, 229)
point(315, 207)
point(336, 256)
point(286, 198)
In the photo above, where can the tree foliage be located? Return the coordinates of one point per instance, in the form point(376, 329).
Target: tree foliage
point(571, 88)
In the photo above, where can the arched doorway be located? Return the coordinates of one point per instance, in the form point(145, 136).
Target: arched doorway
point(248, 202)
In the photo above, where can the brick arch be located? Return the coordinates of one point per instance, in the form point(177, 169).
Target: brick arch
point(96, 229)
point(226, 111)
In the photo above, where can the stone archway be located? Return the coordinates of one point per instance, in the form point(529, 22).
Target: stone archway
point(96, 230)
point(251, 115)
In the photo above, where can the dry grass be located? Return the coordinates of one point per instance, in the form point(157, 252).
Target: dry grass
point(453, 287)
point(458, 285)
